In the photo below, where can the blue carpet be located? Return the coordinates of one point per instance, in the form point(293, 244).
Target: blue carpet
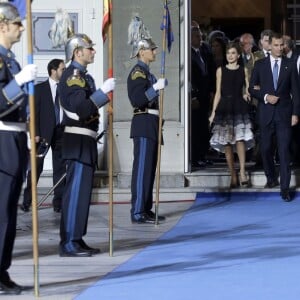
point(235, 246)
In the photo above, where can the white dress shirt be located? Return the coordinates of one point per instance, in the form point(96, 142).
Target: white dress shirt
point(53, 87)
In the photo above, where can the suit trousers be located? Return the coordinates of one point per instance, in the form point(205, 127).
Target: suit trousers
point(59, 169)
point(76, 202)
point(143, 175)
point(282, 131)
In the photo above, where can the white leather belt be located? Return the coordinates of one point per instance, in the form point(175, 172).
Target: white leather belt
point(153, 111)
point(12, 126)
point(146, 111)
point(80, 130)
point(70, 114)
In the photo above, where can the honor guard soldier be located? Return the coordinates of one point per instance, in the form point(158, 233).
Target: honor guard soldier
point(13, 137)
point(143, 94)
point(80, 102)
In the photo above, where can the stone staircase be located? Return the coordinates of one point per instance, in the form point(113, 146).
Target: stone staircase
point(173, 187)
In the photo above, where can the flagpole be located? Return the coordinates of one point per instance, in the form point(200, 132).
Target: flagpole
point(161, 102)
point(32, 154)
point(110, 131)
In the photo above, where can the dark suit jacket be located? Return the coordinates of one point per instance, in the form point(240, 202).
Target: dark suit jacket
point(203, 84)
point(44, 111)
point(287, 85)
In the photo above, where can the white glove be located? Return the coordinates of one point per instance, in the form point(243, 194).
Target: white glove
point(160, 84)
point(27, 74)
point(108, 85)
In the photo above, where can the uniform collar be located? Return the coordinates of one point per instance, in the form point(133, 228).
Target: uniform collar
point(79, 66)
point(6, 52)
point(142, 64)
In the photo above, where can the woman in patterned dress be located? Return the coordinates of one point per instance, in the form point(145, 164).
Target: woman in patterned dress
point(232, 129)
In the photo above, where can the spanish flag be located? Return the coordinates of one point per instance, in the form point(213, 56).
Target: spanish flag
point(106, 18)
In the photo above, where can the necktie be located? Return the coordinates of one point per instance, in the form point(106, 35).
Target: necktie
point(275, 74)
point(56, 107)
point(202, 63)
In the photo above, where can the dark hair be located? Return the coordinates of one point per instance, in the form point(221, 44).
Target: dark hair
point(266, 32)
point(234, 45)
point(54, 65)
point(289, 42)
point(275, 35)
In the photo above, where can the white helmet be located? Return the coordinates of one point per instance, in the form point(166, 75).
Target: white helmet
point(76, 41)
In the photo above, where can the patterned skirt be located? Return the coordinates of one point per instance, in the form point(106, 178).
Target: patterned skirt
point(227, 130)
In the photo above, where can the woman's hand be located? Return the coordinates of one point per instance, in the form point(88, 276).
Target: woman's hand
point(247, 97)
point(211, 118)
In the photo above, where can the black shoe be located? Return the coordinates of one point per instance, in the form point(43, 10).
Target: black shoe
point(9, 287)
point(151, 216)
point(201, 163)
point(57, 209)
point(143, 220)
point(271, 184)
point(25, 207)
point(73, 251)
point(84, 246)
point(209, 162)
point(285, 195)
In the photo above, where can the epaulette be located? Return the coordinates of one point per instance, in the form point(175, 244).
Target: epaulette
point(138, 73)
point(76, 79)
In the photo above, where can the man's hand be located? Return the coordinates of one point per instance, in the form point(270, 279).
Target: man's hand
point(27, 74)
point(272, 99)
point(295, 120)
point(108, 85)
point(160, 84)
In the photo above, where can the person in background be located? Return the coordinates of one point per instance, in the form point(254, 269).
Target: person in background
point(13, 138)
point(218, 47)
point(289, 49)
point(203, 87)
point(273, 83)
point(48, 117)
point(80, 101)
point(143, 89)
point(232, 128)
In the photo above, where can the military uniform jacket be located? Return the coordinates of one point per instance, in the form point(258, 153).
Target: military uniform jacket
point(142, 96)
point(76, 90)
point(13, 108)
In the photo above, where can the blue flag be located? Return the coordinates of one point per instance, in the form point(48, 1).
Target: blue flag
point(21, 6)
point(166, 24)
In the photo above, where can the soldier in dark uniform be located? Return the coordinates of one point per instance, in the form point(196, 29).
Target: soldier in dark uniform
point(80, 102)
point(13, 137)
point(143, 95)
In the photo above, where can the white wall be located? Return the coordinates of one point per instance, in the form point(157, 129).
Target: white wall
point(89, 22)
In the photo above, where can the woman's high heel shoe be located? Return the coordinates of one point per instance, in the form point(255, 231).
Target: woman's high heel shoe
point(245, 182)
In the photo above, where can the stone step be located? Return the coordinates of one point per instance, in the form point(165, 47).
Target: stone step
point(173, 186)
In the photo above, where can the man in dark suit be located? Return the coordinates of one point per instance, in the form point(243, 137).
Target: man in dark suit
point(48, 116)
point(203, 80)
point(273, 81)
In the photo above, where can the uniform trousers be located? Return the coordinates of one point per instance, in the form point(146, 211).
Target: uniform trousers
point(76, 203)
point(13, 151)
point(143, 175)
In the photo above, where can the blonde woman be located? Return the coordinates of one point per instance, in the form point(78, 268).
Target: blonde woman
point(232, 129)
